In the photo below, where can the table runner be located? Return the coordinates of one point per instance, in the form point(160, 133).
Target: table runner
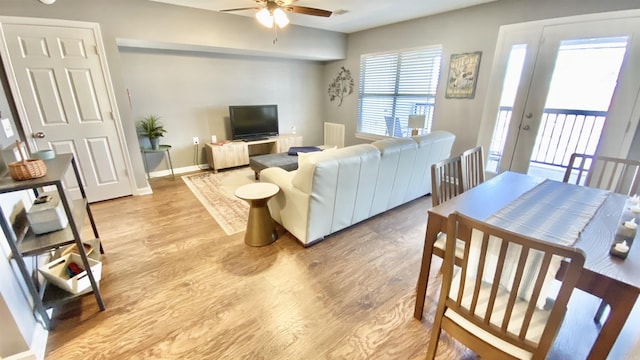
point(552, 211)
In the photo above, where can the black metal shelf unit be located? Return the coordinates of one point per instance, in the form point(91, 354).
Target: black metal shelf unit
point(23, 242)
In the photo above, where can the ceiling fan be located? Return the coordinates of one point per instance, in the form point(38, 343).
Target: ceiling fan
point(270, 11)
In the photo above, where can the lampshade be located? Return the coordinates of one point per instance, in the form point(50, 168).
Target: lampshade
point(416, 121)
point(267, 18)
point(280, 17)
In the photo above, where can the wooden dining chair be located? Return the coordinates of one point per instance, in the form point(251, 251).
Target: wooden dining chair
point(607, 173)
point(446, 183)
point(446, 180)
point(472, 167)
point(491, 304)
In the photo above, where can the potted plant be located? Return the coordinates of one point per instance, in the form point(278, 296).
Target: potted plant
point(151, 127)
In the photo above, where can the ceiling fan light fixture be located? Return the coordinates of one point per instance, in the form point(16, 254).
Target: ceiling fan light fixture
point(280, 18)
point(265, 18)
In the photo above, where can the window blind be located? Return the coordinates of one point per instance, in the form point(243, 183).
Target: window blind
point(395, 85)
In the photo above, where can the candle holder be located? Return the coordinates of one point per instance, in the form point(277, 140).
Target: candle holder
point(627, 229)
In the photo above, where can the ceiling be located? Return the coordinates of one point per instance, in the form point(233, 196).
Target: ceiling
point(348, 15)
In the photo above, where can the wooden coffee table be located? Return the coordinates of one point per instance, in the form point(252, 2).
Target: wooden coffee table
point(260, 227)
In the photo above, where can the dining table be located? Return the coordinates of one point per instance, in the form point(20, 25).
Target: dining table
point(613, 279)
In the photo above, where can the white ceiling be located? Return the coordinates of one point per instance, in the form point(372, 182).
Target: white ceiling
point(358, 14)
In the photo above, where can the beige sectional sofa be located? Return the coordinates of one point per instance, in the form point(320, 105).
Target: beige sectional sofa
point(334, 189)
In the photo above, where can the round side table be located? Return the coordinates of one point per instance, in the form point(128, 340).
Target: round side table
point(260, 227)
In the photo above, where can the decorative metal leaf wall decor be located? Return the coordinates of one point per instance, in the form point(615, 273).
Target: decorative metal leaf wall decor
point(340, 86)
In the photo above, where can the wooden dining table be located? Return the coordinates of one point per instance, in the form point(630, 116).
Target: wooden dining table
point(612, 279)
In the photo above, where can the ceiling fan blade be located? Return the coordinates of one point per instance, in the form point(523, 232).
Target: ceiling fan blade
point(307, 10)
point(241, 9)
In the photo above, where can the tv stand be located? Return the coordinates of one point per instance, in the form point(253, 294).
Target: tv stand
point(237, 153)
point(255, 139)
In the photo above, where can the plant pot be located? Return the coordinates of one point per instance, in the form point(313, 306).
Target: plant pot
point(155, 143)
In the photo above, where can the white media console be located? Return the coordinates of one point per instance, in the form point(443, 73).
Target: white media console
point(236, 153)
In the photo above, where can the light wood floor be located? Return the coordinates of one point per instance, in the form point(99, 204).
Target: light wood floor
point(177, 287)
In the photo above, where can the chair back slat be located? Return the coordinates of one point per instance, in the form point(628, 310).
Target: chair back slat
point(472, 167)
point(540, 278)
point(602, 172)
point(499, 287)
point(524, 254)
point(495, 284)
point(480, 271)
point(446, 180)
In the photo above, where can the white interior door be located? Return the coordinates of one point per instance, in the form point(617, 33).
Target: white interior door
point(571, 81)
point(65, 101)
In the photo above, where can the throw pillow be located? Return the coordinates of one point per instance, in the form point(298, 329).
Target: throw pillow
point(303, 157)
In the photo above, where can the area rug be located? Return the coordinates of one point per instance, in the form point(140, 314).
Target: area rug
point(216, 193)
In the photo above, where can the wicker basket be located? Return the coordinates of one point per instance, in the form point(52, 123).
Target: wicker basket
point(27, 169)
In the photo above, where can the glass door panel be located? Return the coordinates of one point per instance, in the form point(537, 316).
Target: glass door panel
point(513, 74)
point(582, 85)
point(576, 99)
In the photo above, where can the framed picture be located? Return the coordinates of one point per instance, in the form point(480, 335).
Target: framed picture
point(463, 75)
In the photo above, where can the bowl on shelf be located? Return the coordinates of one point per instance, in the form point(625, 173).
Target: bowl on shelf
point(46, 154)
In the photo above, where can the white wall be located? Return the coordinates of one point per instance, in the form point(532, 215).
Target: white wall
point(147, 24)
point(467, 30)
point(192, 92)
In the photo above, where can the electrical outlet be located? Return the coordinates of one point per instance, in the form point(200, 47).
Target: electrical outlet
point(196, 141)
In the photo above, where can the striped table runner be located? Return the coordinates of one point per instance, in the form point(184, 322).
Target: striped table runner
point(552, 211)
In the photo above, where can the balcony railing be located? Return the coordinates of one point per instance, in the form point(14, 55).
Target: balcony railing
point(562, 132)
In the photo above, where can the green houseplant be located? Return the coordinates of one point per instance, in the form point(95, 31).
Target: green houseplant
point(151, 127)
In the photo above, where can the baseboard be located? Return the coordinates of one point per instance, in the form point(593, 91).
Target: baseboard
point(27, 355)
point(177, 171)
point(39, 342)
point(144, 191)
point(148, 191)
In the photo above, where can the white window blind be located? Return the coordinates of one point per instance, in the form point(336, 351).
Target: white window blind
point(395, 85)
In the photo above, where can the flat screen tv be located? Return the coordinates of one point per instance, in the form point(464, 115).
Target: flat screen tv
point(252, 122)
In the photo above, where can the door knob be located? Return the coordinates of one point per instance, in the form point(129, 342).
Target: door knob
point(529, 115)
point(39, 135)
point(526, 127)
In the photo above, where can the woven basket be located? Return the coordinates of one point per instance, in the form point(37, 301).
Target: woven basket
point(27, 169)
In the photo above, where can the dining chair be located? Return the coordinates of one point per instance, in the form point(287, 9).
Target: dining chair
point(446, 183)
point(472, 167)
point(446, 180)
point(492, 304)
point(607, 173)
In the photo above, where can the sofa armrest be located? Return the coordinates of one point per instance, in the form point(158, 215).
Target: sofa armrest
point(278, 176)
point(290, 206)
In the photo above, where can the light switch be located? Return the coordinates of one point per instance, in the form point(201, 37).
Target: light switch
point(6, 126)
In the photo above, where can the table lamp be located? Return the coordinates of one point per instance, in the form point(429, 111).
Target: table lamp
point(416, 122)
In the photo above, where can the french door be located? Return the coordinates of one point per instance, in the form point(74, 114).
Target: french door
point(566, 88)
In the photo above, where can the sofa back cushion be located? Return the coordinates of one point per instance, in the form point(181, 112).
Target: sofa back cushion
point(341, 184)
point(396, 165)
point(432, 148)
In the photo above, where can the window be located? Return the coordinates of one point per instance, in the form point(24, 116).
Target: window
point(395, 85)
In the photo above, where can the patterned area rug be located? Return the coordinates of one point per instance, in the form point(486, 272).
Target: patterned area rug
point(216, 193)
